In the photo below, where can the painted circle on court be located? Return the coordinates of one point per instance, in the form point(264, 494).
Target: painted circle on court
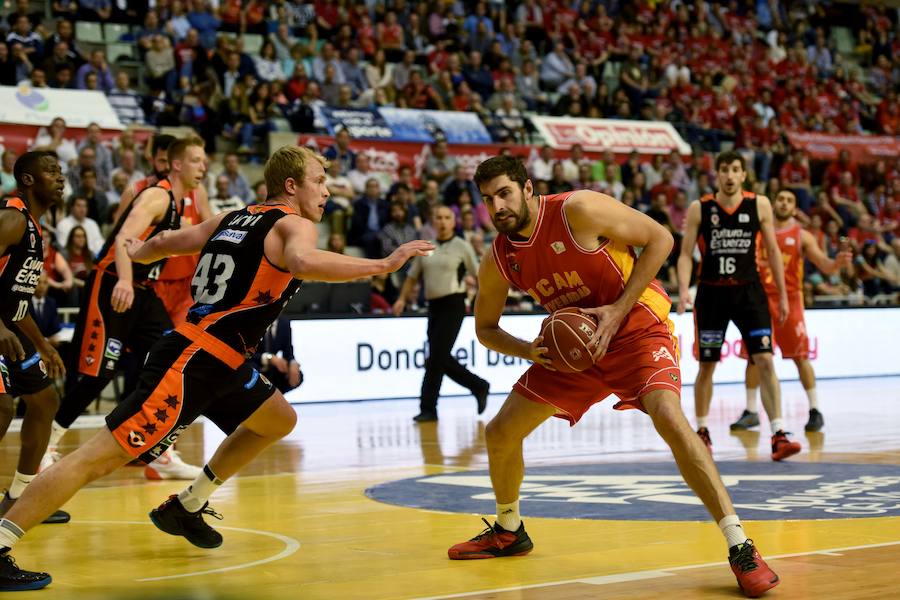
point(656, 491)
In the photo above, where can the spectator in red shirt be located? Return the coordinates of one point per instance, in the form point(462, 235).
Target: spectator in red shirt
point(825, 211)
point(795, 176)
point(845, 197)
point(665, 187)
point(835, 169)
point(418, 94)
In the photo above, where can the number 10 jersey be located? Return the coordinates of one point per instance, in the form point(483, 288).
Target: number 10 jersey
point(237, 292)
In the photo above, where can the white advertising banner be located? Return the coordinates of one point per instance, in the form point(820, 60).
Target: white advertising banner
point(379, 358)
point(39, 106)
point(620, 136)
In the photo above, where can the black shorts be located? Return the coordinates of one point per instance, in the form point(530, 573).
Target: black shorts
point(102, 335)
point(19, 377)
point(178, 383)
point(716, 305)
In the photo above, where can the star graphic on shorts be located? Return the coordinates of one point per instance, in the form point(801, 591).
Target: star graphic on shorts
point(149, 428)
point(91, 348)
point(263, 297)
point(161, 415)
point(172, 401)
point(97, 323)
point(94, 335)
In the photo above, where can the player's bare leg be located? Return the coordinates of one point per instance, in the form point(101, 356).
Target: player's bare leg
point(703, 390)
point(504, 435)
point(770, 392)
point(700, 473)
point(7, 412)
point(42, 407)
point(52, 488)
point(694, 462)
point(182, 514)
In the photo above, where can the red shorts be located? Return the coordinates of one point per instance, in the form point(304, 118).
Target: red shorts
point(790, 337)
point(176, 297)
point(635, 365)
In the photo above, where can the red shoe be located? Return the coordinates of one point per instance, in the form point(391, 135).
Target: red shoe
point(492, 543)
point(703, 432)
point(782, 447)
point(754, 576)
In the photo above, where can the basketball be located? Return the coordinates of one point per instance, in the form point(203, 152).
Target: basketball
point(566, 335)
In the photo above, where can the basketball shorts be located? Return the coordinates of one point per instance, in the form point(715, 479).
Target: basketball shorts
point(790, 337)
point(102, 335)
point(27, 376)
point(746, 305)
point(176, 297)
point(636, 364)
point(186, 375)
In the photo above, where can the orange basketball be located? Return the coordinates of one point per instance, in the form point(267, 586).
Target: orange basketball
point(566, 334)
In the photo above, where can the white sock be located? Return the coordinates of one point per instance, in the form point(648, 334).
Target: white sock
point(196, 494)
point(813, 399)
point(732, 530)
point(701, 422)
point(10, 533)
point(19, 483)
point(508, 516)
point(751, 399)
point(57, 431)
point(777, 425)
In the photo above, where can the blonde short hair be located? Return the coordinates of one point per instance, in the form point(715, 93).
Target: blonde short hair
point(289, 161)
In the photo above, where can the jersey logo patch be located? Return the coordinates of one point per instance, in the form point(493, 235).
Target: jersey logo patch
point(234, 236)
point(714, 219)
point(558, 247)
point(662, 353)
point(790, 242)
point(743, 218)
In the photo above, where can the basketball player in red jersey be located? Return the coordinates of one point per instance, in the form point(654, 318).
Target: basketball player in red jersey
point(250, 266)
point(121, 309)
point(728, 225)
point(794, 244)
point(577, 249)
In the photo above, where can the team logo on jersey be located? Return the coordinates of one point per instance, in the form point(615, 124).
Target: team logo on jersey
point(743, 218)
point(790, 242)
point(33, 240)
point(235, 236)
point(765, 341)
point(136, 439)
point(714, 219)
point(558, 247)
point(113, 349)
point(662, 353)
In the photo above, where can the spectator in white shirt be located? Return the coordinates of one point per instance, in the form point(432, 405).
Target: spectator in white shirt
point(125, 101)
point(78, 215)
point(363, 172)
point(542, 166)
point(223, 201)
point(53, 138)
point(129, 167)
point(268, 67)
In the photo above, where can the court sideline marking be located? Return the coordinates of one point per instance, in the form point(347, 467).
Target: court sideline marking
point(652, 574)
point(290, 547)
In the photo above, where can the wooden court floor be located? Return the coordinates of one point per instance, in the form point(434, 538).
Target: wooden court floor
point(299, 525)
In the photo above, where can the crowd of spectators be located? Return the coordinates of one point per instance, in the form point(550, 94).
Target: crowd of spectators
point(736, 73)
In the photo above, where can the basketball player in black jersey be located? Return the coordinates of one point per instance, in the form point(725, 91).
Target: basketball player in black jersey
point(727, 226)
point(249, 268)
point(28, 363)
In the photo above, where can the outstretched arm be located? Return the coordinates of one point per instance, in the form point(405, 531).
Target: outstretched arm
point(173, 242)
point(813, 252)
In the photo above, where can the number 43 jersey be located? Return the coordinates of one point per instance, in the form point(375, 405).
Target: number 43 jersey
point(237, 292)
point(728, 241)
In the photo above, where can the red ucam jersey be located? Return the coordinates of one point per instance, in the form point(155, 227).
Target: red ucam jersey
point(790, 245)
point(554, 270)
point(177, 267)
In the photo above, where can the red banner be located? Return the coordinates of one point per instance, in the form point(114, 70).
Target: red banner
point(20, 138)
point(619, 135)
point(863, 148)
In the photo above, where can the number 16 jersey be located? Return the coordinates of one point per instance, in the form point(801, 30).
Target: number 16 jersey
point(237, 292)
point(728, 241)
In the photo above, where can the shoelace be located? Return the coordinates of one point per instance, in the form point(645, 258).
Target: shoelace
point(487, 532)
point(209, 511)
point(744, 558)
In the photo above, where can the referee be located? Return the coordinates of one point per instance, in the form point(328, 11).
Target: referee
point(443, 273)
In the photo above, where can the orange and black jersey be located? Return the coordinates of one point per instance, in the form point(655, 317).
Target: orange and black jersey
point(237, 292)
point(20, 265)
point(106, 260)
point(728, 241)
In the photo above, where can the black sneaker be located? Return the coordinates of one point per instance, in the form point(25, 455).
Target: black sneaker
point(59, 516)
point(816, 420)
point(14, 579)
point(748, 419)
point(425, 417)
point(174, 519)
point(481, 396)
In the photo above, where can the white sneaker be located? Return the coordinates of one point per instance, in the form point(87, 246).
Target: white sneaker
point(50, 457)
point(170, 466)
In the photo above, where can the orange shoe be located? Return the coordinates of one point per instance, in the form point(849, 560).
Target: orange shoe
point(703, 432)
point(754, 576)
point(782, 447)
point(492, 543)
